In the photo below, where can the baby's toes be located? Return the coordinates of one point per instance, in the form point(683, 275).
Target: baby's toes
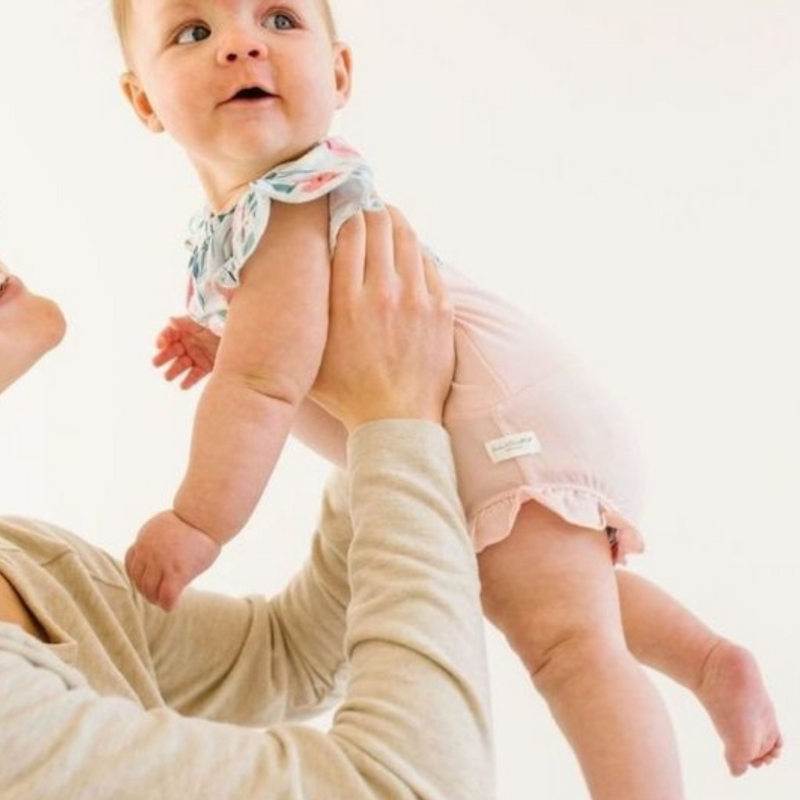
point(736, 765)
point(770, 752)
point(740, 753)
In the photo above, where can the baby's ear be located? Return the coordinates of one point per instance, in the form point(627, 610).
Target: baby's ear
point(140, 102)
point(343, 72)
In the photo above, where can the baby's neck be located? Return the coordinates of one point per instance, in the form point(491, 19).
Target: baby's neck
point(220, 202)
point(225, 184)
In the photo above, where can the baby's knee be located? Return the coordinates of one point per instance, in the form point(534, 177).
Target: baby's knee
point(568, 656)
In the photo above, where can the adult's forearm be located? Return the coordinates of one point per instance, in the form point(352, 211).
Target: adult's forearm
point(413, 726)
point(417, 712)
point(260, 661)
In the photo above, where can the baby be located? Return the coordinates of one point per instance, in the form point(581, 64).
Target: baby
point(547, 470)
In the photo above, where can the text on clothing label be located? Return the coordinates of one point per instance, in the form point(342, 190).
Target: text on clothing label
point(513, 446)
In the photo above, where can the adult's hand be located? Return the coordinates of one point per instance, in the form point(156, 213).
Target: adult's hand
point(389, 352)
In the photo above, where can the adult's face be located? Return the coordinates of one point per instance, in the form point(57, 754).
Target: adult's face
point(30, 325)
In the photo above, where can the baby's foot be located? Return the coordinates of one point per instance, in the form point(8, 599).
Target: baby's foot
point(735, 697)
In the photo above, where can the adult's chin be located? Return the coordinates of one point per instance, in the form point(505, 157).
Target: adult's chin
point(30, 326)
point(53, 326)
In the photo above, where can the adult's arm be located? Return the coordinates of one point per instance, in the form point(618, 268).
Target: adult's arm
point(414, 722)
point(256, 661)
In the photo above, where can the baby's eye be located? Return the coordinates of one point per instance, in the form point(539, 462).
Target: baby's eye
point(280, 21)
point(192, 33)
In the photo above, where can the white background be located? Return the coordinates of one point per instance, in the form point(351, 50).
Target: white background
point(625, 170)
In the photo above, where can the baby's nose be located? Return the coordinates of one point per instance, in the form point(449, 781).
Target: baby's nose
point(242, 50)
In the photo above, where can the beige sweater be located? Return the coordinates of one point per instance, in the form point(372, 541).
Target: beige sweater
point(131, 703)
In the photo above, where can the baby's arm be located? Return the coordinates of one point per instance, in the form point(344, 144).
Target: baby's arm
point(267, 362)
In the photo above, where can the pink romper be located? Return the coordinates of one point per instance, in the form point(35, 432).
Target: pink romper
point(526, 422)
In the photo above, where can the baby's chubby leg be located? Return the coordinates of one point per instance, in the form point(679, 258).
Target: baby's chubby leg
point(167, 556)
point(725, 677)
point(550, 587)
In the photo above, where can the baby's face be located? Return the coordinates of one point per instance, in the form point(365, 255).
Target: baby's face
point(240, 84)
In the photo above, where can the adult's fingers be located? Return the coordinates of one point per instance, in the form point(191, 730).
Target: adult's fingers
point(349, 257)
point(407, 254)
point(379, 269)
point(433, 279)
point(412, 262)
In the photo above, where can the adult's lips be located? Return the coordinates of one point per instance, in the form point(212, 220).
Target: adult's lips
point(5, 273)
point(10, 287)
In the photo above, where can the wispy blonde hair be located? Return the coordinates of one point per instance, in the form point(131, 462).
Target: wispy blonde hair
point(121, 12)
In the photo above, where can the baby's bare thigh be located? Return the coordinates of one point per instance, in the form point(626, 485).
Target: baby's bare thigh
point(549, 581)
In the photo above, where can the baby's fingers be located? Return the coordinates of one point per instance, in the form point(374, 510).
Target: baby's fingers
point(166, 336)
point(136, 567)
point(168, 353)
point(178, 367)
point(150, 583)
point(196, 374)
point(169, 592)
point(131, 565)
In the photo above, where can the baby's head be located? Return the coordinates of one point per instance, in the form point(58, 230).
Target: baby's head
point(241, 85)
point(121, 12)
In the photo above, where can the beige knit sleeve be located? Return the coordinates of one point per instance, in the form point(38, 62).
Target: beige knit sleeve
point(414, 723)
point(257, 661)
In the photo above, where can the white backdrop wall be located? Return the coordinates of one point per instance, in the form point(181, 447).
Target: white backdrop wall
point(626, 170)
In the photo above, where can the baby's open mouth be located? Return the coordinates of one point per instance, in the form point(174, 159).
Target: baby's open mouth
point(252, 93)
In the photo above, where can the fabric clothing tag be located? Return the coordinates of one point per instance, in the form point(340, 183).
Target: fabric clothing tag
point(513, 446)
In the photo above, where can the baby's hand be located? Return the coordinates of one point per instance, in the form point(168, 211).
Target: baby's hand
point(189, 347)
point(167, 556)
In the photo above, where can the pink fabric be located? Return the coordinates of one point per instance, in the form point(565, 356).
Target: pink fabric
point(513, 377)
